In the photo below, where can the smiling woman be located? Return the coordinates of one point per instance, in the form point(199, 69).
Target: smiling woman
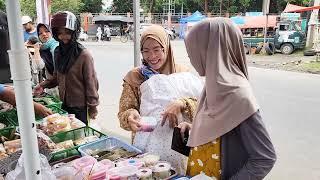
point(153, 54)
point(157, 75)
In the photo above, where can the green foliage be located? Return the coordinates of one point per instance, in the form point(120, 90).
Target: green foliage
point(28, 8)
point(122, 6)
point(73, 6)
point(157, 6)
point(93, 6)
point(2, 5)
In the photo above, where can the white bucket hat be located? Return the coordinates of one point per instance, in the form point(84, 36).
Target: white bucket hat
point(25, 19)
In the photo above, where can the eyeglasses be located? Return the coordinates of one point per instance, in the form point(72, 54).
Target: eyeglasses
point(156, 52)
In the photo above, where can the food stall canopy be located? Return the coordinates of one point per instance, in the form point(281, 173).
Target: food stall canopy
point(295, 8)
point(254, 21)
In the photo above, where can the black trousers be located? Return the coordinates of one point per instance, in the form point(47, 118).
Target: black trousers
point(81, 113)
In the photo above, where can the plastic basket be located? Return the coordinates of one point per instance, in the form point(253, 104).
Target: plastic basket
point(6, 121)
point(54, 109)
point(8, 132)
point(72, 135)
point(107, 143)
point(48, 100)
point(13, 117)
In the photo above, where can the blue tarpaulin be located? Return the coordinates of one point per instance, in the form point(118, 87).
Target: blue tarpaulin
point(238, 20)
point(195, 17)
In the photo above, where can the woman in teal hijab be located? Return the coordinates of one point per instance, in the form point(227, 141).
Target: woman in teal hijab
point(48, 46)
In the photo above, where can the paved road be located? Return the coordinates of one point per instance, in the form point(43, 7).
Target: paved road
point(289, 102)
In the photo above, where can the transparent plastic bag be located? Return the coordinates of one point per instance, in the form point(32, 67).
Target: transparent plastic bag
point(19, 172)
point(93, 123)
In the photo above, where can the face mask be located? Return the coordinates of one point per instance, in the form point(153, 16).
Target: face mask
point(50, 44)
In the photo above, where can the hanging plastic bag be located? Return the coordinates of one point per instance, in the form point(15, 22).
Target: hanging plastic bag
point(19, 172)
point(93, 123)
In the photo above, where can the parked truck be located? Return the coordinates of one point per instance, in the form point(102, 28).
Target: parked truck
point(286, 37)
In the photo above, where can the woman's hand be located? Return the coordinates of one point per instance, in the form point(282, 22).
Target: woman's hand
point(171, 113)
point(93, 112)
point(37, 90)
point(184, 126)
point(134, 120)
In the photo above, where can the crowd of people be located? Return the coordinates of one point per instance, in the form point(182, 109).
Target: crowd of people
point(227, 136)
point(66, 64)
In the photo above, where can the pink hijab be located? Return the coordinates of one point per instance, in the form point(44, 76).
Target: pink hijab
point(215, 48)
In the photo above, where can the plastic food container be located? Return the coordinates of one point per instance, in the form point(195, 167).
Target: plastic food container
point(96, 171)
point(124, 172)
point(107, 144)
point(148, 123)
point(74, 134)
point(161, 170)
point(130, 162)
point(109, 164)
point(84, 162)
point(65, 173)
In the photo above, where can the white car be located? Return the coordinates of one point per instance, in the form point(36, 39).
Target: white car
point(143, 26)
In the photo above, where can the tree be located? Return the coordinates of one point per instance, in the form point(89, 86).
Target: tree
point(2, 5)
point(73, 6)
point(150, 9)
point(29, 7)
point(122, 6)
point(206, 6)
point(93, 6)
point(245, 4)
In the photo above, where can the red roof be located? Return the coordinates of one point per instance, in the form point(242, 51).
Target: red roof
point(295, 8)
point(258, 21)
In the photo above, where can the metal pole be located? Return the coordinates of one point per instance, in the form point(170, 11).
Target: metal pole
point(136, 20)
point(265, 9)
point(265, 30)
point(181, 10)
point(169, 15)
point(220, 8)
point(20, 71)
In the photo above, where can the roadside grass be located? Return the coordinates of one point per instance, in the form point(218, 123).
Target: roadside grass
point(311, 67)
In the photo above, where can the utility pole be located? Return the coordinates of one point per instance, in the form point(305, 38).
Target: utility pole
point(181, 10)
point(265, 10)
point(313, 22)
point(221, 7)
point(168, 9)
point(20, 71)
point(136, 20)
point(169, 14)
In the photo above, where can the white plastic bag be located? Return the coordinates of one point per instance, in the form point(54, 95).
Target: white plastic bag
point(93, 123)
point(202, 176)
point(156, 94)
point(19, 174)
